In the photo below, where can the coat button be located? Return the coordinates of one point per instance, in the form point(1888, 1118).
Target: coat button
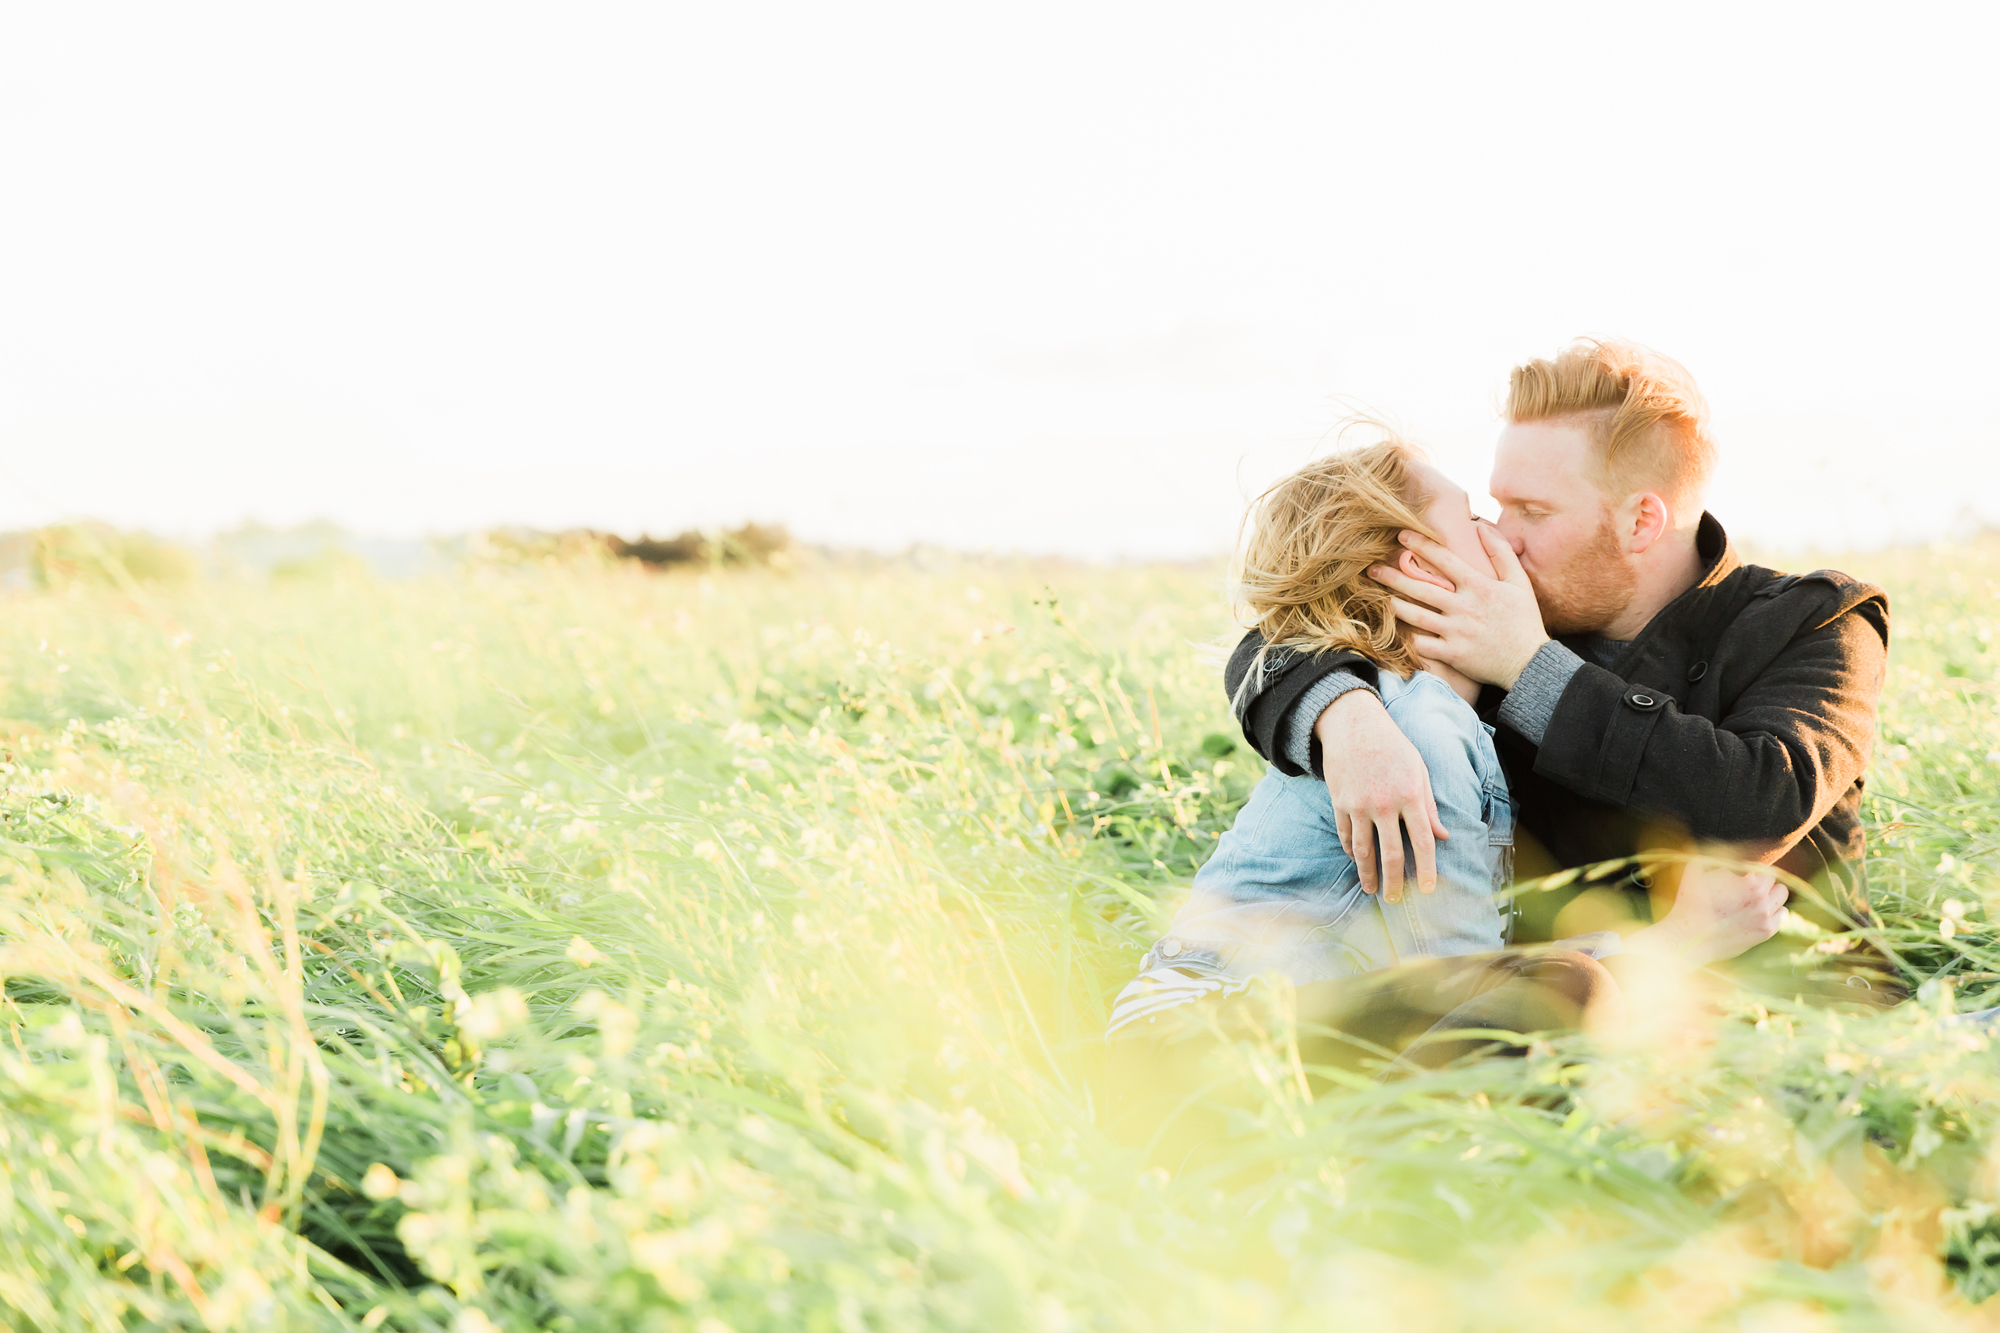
point(1171, 949)
point(1697, 671)
point(1644, 700)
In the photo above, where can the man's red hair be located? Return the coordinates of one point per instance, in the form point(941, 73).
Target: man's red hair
point(1642, 411)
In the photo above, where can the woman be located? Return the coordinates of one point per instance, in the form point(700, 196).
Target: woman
point(1280, 895)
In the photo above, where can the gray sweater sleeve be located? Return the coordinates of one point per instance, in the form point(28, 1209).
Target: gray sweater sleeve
point(1299, 732)
point(1532, 702)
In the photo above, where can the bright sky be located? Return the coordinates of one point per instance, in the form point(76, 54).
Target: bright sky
point(1064, 277)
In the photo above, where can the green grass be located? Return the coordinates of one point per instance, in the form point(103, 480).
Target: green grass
point(574, 948)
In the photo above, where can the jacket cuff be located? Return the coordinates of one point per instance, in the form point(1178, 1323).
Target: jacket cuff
point(1301, 746)
point(1532, 702)
point(1606, 724)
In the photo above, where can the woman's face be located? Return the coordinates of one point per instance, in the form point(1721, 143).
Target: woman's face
point(1450, 516)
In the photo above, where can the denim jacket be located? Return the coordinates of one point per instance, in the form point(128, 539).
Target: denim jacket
point(1280, 895)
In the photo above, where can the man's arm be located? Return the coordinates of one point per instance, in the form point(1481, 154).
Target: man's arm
point(1380, 783)
point(1528, 707)
point(1790, 746)
point(1278, 698)
point(1301, 730)
point(1380, 789)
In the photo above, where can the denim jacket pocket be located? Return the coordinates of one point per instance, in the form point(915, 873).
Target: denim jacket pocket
point(1499, 815)
point(1497, 809)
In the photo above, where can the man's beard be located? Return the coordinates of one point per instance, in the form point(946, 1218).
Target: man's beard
point(1590, 589)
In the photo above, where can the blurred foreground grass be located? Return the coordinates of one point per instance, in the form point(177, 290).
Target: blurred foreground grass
point(577, 948)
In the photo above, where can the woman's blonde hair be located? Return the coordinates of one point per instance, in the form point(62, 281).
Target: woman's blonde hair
point(1301, 575)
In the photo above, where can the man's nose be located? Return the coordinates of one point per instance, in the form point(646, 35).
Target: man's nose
point(1513, 536)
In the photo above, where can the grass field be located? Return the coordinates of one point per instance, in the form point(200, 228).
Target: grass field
point(568, 947)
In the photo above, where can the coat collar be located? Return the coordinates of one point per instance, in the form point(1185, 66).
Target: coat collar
point(1719, 562)
point(1716, 551)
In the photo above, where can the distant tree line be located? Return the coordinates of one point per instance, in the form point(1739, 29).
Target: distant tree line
point(91, 553)
point(751, 544)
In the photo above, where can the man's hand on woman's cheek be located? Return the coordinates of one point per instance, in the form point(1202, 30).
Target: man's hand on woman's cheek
point(1489, 628)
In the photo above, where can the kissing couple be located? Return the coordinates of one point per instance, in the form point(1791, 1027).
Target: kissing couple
point(1449, 706)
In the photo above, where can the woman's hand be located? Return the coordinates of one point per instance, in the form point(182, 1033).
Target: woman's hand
point(1717, 914)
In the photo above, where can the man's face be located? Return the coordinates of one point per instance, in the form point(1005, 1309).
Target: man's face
point(1561, 526)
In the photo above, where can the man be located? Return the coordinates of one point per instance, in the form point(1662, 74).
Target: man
point(1649, 691)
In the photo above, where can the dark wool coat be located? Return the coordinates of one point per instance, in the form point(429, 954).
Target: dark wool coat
point(1744, 713)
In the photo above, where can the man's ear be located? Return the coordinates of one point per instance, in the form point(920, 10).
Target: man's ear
point(1649, 518)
